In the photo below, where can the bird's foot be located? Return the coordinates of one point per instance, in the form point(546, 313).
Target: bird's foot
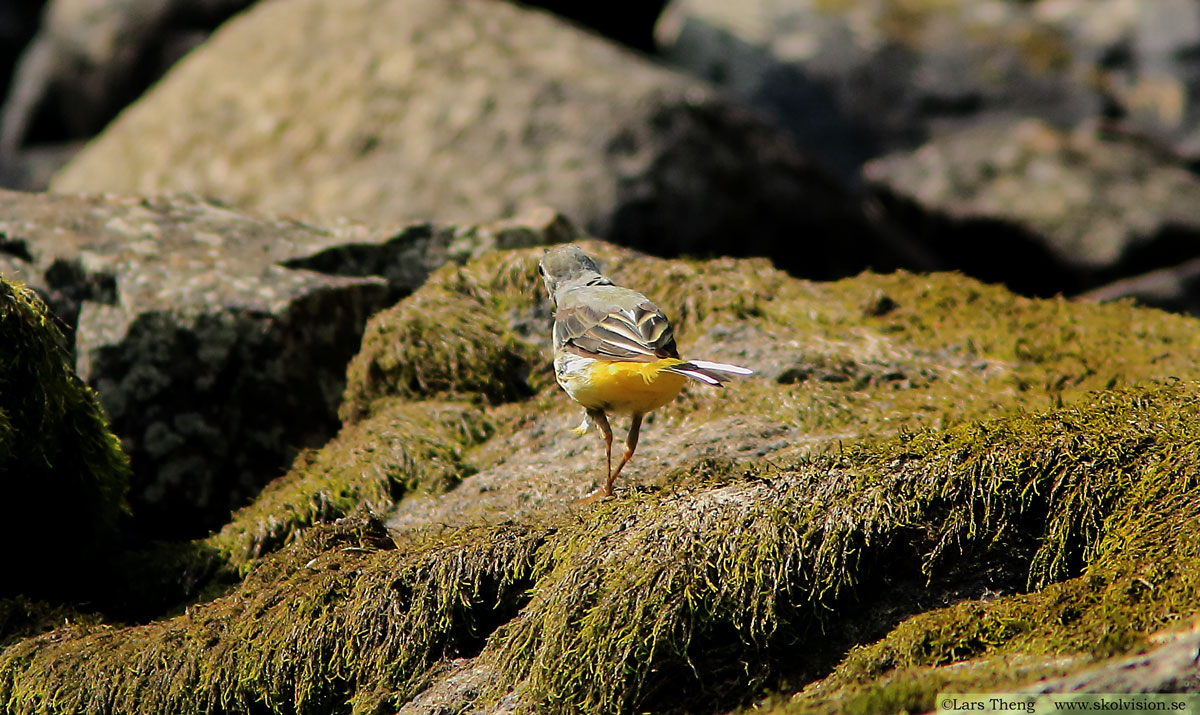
point(594, 496)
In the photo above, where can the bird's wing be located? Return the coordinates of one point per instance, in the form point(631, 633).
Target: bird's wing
point(612, 323)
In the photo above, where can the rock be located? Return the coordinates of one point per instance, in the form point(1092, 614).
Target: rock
point(853, 80)
point(1001, 489)
point(63, 473)
point(30, 169)
point(217, 341)
point(470, 111)
point(18, 22)
point(1170, 667)
point(92, 57)
point(1045, 211)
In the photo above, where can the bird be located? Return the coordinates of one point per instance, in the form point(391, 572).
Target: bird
point(614, 351)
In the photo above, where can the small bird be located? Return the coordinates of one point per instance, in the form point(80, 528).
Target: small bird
point(614, 350)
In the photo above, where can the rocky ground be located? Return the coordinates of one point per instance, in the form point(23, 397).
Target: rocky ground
point(279, 430)
point(930, 483)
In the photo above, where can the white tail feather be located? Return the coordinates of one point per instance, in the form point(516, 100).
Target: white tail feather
point(696, 376)
point(708, 372)
point(721, 367)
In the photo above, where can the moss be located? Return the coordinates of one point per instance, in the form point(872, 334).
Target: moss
point(955, 442)
point(339, 621)
point(706, 586)
point(402, 448)
point(22, 617)
point(438, 344)
point(57, 457)
point(946, 350)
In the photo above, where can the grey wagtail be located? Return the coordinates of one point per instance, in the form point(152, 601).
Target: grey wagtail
point(614, 350)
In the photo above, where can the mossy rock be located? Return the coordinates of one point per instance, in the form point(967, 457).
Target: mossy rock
point(711, 590)
point(404, 448)
point(342, 620)
point(931, 483)
point(63, 472)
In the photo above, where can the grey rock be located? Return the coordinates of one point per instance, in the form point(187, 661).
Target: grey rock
point(1044, 210)
point(30, 168)
point(91, 57)
point(1175, 288)
point(395, 110)
point(218, 342)
point(1172, 666)
point(852, 80)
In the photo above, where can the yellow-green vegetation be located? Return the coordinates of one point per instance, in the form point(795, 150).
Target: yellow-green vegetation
point(404, 447)
point(1128, 524)
point(337, 622)
point(22, 617)
point(714, 583)
point(62, 471)
point(869, 355)
point(983, 489)
point(438, 344)
point(720, 583)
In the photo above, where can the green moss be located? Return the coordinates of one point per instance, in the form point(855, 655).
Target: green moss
point(956, 442)
point(338, 622)
point(21, 617)
point(58, 459)
point(439, 344)
point(704, 586)
point(949, 349)
point(402, 448)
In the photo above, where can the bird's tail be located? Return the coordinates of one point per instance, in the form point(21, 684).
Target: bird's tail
point(713, 373)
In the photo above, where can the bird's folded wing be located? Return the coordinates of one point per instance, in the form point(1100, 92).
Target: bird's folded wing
point(634, 330)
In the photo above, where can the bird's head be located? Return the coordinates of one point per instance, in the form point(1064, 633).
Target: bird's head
point(567, 266)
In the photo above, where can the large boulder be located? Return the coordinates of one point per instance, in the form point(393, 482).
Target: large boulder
point(852, 80)
point(1044, 210)
point(90, 58)
point(931, 484)
point(218, 341)
point(63, 473)
point(393, 110)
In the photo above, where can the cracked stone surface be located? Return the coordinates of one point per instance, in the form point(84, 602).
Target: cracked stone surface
point(218, 341)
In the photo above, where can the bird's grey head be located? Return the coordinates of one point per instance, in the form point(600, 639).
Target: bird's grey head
point(566, 266)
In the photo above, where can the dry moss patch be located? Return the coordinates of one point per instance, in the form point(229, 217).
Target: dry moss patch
point(869, 355)
point(438, 344)
point(866, 357)
point(953, 475)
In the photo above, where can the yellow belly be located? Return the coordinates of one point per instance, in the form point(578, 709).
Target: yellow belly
point(624, 386)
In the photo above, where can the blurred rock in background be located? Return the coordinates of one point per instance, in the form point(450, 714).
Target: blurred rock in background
point(853, 79)
point(218, 342)
point(63, 81)
point(387, 111)
point(1043, 210)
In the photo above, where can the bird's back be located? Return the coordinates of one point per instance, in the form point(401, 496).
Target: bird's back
point(608, 322)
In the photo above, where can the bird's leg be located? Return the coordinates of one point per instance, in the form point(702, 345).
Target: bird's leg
point(601, 421)
point(630, 444)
